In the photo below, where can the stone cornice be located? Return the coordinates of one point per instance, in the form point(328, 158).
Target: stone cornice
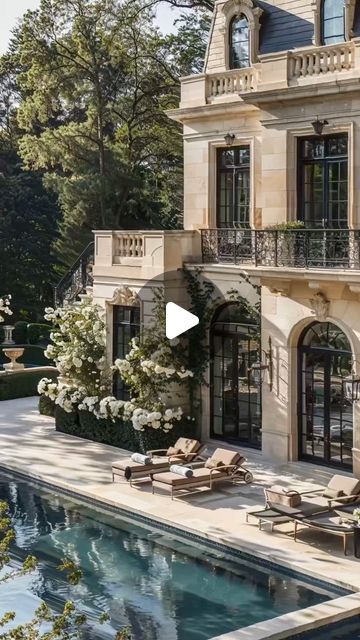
point(211, 110)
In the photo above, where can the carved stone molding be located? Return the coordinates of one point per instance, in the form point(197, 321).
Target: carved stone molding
point(124, 296)
point(253, 14)
point(320, 306)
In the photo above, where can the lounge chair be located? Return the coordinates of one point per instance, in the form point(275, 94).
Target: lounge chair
point(328, 522)
point(223, 466)
point(340, 490)
point(184, 451)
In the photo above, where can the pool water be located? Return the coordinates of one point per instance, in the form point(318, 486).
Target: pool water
point(165, 589)
point(345, 630)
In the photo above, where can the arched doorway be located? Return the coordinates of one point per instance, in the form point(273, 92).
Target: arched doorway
point(325, 406)
point(235, 390)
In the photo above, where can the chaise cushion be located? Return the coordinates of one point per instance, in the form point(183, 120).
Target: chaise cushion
point(128, 463)
point(173, 451)
point(349, 486)
point(226, 456)
point(199, 475)
point(187, 445)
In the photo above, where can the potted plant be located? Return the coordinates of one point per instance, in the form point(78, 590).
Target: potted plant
point(289, 247)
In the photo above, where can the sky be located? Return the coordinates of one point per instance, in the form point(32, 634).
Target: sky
point(11, 10)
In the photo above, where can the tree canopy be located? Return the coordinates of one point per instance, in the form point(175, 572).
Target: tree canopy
point(86, 85)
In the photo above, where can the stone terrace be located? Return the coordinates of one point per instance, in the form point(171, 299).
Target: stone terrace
point(30, 444)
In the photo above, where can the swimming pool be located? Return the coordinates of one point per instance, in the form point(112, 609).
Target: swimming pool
point(165, 588)
point(345, 630)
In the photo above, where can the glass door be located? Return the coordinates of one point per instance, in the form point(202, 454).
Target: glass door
point(325, 407)
point(235, 391)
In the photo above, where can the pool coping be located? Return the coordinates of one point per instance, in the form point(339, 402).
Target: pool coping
point(277, 628)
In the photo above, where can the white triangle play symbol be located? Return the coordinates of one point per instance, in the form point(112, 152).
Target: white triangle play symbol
point(178, 320)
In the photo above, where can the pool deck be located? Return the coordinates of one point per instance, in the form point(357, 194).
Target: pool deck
point(29, 444)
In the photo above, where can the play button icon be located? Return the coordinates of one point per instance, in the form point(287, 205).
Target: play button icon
point(178, 320)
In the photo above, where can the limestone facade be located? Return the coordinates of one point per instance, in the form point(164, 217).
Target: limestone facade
point(269, 107)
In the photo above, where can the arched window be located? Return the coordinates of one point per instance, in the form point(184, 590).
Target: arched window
point(326, 412)
point(239, 43)
point(332, 22)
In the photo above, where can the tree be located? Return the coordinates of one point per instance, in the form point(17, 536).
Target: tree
point(28, 221)
point(192, 4)
point(95, 84)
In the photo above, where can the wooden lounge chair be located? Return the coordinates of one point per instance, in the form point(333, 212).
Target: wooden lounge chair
point(328, 522)
point(229, 469)
point(340, 490)
point(184, 451)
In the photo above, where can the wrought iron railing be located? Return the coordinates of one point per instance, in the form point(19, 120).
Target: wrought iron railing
point(297, 248)
point(77, 279)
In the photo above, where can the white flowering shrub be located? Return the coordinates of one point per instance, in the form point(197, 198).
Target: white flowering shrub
point(78, 346)
point(5, 307)
point(149, 371)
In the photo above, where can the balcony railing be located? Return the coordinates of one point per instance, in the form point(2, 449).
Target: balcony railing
point(321, 60)
point(293, 248)
point(232, 82)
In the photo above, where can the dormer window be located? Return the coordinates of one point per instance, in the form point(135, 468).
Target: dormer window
point(332, 22)
point(239, 42)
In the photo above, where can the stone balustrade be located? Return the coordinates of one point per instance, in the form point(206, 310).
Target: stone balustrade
point(129, 245)
point(321, 60)
point(232, 82)
point(143, 254)
point(274, 71)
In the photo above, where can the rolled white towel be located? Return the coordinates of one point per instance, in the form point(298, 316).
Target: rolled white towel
point(182, 471)
point(140, 459)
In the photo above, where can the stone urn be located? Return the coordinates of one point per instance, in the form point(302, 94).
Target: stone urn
point(13, 354)
point(8, 330)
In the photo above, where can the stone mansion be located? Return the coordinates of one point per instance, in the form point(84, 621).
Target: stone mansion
point(271, 190)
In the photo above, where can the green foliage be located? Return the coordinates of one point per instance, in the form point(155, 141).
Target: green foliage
point(285, 226)
point(78, 346)
point(84, 424)
point(20, 332)
point(46, 406)
point(95, 80)
point(37, 333)
point(208, 5)
point(23, 384)
point(28, 221)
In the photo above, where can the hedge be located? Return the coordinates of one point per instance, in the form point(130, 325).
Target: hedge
point(20, 332)
point(23, 384)
point(37, 333)
point(46, 406)
point(118, 434)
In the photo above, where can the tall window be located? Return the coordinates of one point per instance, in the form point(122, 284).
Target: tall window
point(326, 411)
point(323, 181)
point(239, 43)
point(233, 198)
point(126, 325)
point(235, 390)
point(332, 21)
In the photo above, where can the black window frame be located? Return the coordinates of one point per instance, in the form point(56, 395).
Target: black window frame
point(234, 62)
point(132, 321)
point(326, 160)
point(337, 38)
point(246, 329)
point(307, 412)
point(238, 167)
